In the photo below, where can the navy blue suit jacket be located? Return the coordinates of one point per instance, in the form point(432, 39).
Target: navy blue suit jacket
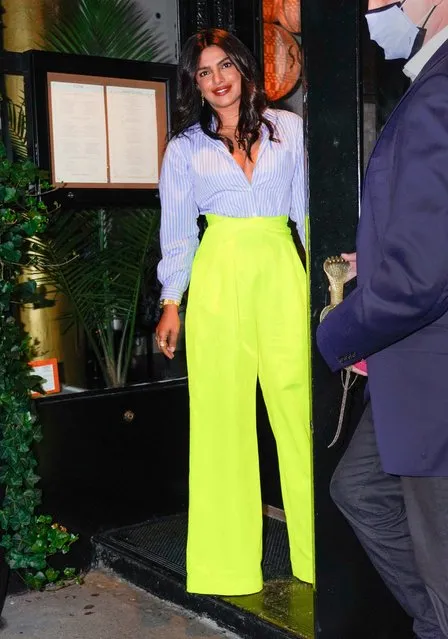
point(397, 317)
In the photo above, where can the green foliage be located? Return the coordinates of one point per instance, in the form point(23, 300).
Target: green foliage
point(28, 539)
point(17, 129)
point(109, 28)
point(99, 259)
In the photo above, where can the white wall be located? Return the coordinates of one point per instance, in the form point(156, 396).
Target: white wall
point(163, 16)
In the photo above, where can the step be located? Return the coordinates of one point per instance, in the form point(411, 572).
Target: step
point(151, 555)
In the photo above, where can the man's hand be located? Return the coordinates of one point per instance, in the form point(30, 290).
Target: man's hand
point(360, 368)
point(351, 258)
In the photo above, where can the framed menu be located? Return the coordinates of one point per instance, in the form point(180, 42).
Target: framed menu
point(106, 132)
point(98, 125)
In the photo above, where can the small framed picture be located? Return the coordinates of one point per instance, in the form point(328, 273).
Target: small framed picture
point(48, 370)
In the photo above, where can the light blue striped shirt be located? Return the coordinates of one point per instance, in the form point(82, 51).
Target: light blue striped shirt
point(200, 176)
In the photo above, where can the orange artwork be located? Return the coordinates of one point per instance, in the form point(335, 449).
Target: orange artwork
point(288, 13)
point(48, 370)
point(282, 61)
point(270, 10)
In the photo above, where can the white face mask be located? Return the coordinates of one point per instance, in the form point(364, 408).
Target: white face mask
point(393, 31)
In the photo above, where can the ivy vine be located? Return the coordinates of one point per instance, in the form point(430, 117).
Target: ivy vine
point(29, 538)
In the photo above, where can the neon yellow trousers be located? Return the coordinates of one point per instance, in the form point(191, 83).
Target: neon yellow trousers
point(246, 317)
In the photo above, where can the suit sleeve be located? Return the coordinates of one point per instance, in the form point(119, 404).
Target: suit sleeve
point(409, 288)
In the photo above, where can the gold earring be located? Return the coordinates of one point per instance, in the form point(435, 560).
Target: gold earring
point(202, 100)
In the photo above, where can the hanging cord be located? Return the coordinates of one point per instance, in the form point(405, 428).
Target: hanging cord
point(346, 385)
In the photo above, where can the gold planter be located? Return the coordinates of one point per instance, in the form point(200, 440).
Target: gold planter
point(53, 336)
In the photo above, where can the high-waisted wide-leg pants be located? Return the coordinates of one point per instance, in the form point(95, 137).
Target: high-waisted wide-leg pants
point(246, 317)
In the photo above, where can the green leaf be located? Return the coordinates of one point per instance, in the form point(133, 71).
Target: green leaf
point(8, 252)
point(35, 581)
point(51, 574)
point(17, 128)
point(9, 194)
point(108, 28)
point(38, 546)
point(69, 573)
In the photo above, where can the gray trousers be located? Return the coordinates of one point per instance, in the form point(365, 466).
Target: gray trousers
point(402, 523)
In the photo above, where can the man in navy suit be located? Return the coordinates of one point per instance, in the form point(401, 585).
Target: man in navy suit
point(392, 482)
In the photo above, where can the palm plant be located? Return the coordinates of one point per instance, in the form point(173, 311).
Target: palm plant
point(99, 260)
point(109, 28)
point(17, 129)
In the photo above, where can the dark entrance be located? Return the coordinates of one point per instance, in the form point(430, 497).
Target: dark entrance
point(140, 474)
point(342, 81)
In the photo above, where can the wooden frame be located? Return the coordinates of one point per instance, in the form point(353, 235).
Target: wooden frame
point(104, 83)
point(43, 67)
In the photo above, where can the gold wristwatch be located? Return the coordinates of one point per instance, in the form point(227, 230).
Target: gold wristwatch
point(167, 302)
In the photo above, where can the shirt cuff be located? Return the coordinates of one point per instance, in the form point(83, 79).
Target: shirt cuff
point(170, 293)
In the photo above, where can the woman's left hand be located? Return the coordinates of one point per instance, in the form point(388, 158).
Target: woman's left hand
point(167, 330)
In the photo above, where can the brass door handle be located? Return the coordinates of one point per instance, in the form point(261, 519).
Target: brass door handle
point(336, 270)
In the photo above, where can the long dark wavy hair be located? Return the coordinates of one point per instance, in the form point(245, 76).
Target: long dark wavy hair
point(189, 109)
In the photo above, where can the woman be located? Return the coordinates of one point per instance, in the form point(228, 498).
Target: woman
point(240, 164)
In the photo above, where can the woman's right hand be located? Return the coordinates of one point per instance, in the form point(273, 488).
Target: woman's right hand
point(167, 330)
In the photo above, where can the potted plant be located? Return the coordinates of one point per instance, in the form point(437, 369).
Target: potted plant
point(99, 260)
point(28, 538)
